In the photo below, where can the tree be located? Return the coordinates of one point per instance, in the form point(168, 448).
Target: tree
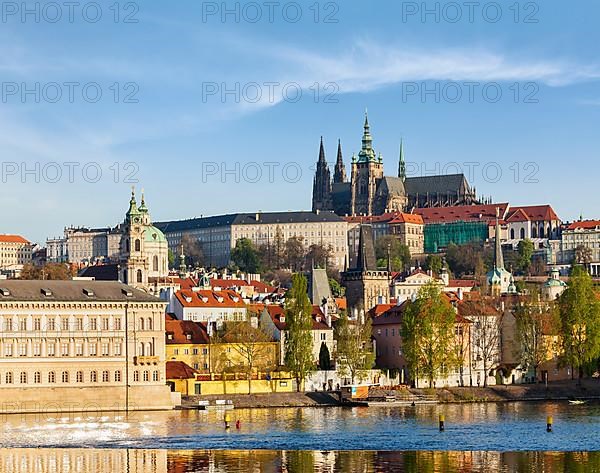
point(428, 334)
point(583, 255)
point(525, 253)
point(337, 290)
point(536, 323)
point(252, 347)
point(318, 256)
point(324, 357)
point(294, 253)
point(50, 271)
point(192, 248)
point(355, 354)
point(298, 337)
point(171, 259)
point(579, 309)
point(434, 263)
point(245, 256)
point(278, 249)
point(470, 258)
point(399, 254)
point(486, 332)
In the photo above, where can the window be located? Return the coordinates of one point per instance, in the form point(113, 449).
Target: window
point(22, 349)
point(37, 349)
point(51, 347)
point(64, 349)
point(105, 323)
point(323, 337)
point(23, 377)
point(105, 349)
point(93, 347)
point(117, 376)
point(205, 366)
point(93, 324)
point(136, 376)
point(194, 351)
point(64, 324)
point(65, 376)
point(195, 366)
point(94, 377)
point(9, 378)
point(8, 350)
point(23, 324)
point(139, 276)
point(117, 322)
point(146, 375)
point(155, 263)
point(105, 376)
point(138, 245)
point(79, 349)
point(117, 348)
point(186, 351)
point(79, 377)
point(37, 323)
point(52, 377)
point(141, 323)
point(149, 325)
point(37, 377)
point(155, 376)
point(79, 323)
point(176, 351)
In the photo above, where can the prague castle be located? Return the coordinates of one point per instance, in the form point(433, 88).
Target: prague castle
point(370, 192)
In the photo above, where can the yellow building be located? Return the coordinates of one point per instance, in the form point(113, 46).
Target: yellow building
point(15, 251)
point(213, 365)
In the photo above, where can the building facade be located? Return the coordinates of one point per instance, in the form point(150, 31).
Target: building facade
point(83, 246)
point(219, 234)
point(15, 251)
point(585, 236)
point(370, 192)
point(78, 345)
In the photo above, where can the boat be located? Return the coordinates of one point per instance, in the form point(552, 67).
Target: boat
point(576, 402)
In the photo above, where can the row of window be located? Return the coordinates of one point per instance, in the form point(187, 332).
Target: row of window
point(53, 324)
point(66, 377)
point(65, 349)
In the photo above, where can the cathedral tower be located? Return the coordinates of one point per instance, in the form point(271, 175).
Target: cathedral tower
point(321, 199)
point(339, 175)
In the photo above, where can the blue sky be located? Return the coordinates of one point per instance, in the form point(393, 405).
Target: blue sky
point(198, 153)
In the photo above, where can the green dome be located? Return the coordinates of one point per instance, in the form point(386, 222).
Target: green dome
point(153, 234)
point(554, 283)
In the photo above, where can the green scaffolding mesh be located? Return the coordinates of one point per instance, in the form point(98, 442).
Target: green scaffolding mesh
point(440, 235)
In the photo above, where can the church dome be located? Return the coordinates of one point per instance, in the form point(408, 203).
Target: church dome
point(153, 234)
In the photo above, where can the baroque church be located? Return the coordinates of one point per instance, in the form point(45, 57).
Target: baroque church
point(370, 192)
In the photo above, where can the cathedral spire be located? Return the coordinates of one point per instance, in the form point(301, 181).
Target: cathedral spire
point(367, 153)
point(402, 163)
point(339, 174)
point(322, 152)
point(322, 183)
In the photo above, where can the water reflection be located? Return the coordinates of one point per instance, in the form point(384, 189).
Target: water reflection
point(269, 461)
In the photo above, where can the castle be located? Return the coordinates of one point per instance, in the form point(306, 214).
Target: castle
point(370, 192)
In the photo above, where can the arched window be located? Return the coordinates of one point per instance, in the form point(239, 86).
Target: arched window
point(79, 377)
point(149, 325)
point(117, 376)
point(23, 377)
point(105, 376)
point(155, 263)
point(512, 233)
point(9, 378)
point(139, 275)
point(522, 233)
point(138, 245)
point(155, 376)
point(94, 377)
point(141, 323)
point(534, 232)
point(146, 375)
point(52, 377)
point(142, 349)
point(136, 376)
point(542, 231)
point(65, 376)
point(149, 349)
point(37, 377)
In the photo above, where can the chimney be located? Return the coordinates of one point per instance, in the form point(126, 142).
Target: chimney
point(257, 216)
point(460, 294)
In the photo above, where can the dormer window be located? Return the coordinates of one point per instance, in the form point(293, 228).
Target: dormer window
point(220, 299)
point(46, 292)
point(188, 336)
point(88, 292)
point(169, 336)
point(282, 319)
point(204, 299)
point(5, 292)
point(188, 299)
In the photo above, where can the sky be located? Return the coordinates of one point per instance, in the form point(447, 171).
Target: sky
point(218, 107)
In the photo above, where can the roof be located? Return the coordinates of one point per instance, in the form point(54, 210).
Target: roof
point(462, 283)
point(247, 219)
point(153, 234)
point(394, 185)
point(443, 184)
point(477, 308)
point(584, 225)
point(258, 286)
point(79, 291)
point(536, 212)
point(180, 370)
point(277, 314)
point(208, 298)
point(462, 213)
point(13, 239)
point(389, 217)
point(402, 217)
point(184, 332)
point(102, 272)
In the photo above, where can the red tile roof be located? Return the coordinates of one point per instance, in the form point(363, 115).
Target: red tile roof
point(179, 332)
point(390, 217)
point(258, 286)
point(518, 215)
point(537, 212)
point(462, 213)
point(584, 225)
point(407, 218)
point(180, 370)
point(277, 314)
point(462, 283)
point(12, 239)
point(207, 298)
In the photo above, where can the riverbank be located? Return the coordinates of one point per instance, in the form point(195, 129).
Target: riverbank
point(590, 389)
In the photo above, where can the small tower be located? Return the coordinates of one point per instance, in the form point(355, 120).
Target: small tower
point(402, 163)
point(321, 199)
point(339, 174)
point(182, 266)
point(499, 279)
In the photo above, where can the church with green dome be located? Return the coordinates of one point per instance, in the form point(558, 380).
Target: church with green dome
point(144, 250)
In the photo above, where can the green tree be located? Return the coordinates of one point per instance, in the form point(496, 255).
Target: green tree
point(298, 337)
point(50, 271)
point(337, 290)
point(434, 263)
point(245, 256)
point(192, 248)
point(579, 310)
point(399, 254)
point(171, 259)
point(355, 354)
point(294, 253)
point(525, 253)
point(324, 357)
point(318, 256)
point(428, 334)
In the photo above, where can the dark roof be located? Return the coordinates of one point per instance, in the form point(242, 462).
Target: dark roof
point(80, 291)
point(449, 183)
point(247, 219)
point(102, 272)
point(394, 185)
point(366, 249)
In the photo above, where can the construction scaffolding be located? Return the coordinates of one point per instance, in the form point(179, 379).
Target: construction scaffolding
point(439, 235)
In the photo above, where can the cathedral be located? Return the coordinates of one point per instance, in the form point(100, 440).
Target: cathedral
point(370, 192)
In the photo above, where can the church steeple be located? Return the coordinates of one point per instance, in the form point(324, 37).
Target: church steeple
point(322, 183)
point(339, 174)
point(142, 208)
point(402, 163)
point(367, 153)
point(133, 209)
